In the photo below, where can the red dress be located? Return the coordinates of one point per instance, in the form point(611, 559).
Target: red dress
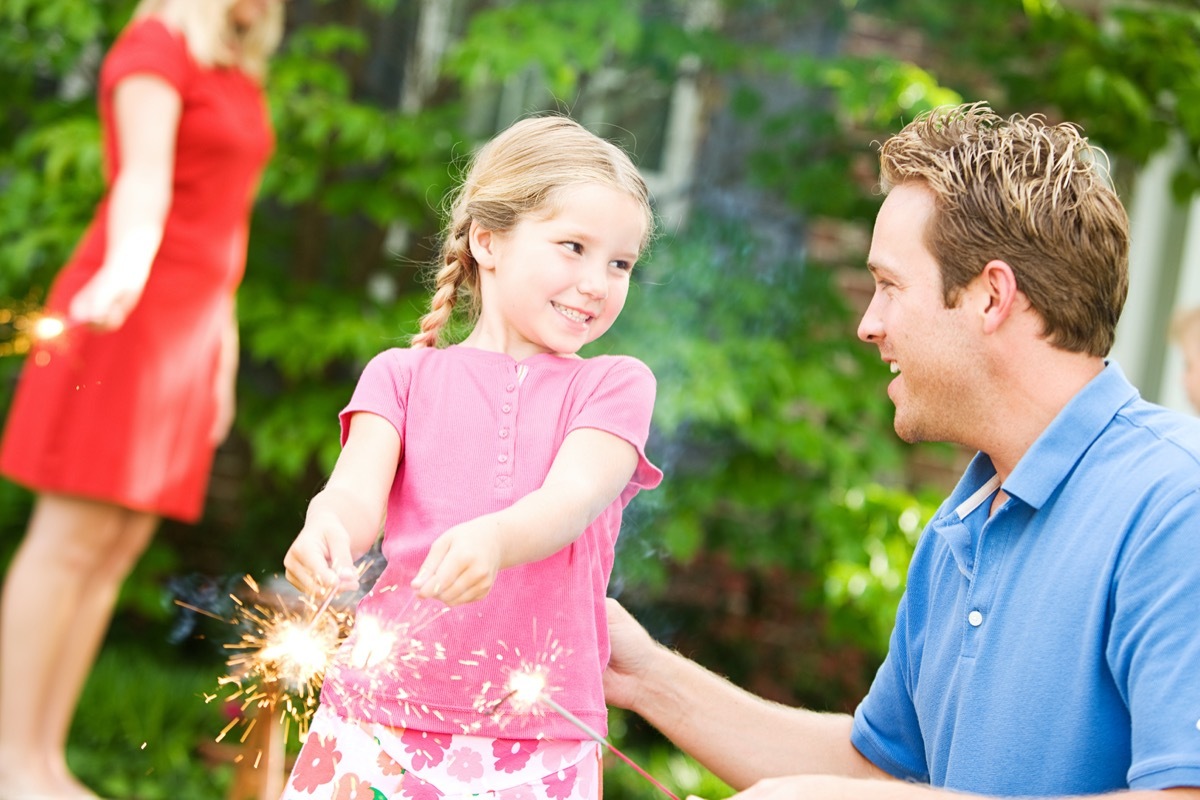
point(126, 416)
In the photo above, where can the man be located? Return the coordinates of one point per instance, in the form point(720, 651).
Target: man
point(1048, 643)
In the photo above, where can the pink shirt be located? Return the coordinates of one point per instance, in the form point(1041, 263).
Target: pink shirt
point(480, 431)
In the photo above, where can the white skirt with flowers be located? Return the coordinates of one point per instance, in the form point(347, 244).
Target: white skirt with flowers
point(352, 760)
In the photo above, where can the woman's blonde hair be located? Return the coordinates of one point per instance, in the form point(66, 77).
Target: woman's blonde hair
point(1031, 194)
point(210, 35)
point(520, 172)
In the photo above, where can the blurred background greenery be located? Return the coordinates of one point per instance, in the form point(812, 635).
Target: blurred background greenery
point(775, 551)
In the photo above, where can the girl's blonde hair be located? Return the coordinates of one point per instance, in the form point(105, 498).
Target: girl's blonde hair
point(520, 172)
point(210, 35)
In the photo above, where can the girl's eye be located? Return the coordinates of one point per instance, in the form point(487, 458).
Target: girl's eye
point(574, 247)
point(624, 266)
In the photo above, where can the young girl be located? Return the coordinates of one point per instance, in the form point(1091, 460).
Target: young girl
point(498, 468)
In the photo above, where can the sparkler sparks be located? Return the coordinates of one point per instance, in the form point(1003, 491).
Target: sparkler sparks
point(526, 688)
point(22, 326)
point(281, 657)
point(292, 647)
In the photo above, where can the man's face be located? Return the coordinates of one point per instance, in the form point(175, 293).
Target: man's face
point(928, 346)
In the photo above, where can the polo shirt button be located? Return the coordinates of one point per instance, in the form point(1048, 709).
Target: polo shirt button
point(510, 387)
point(975, 618)
point(506, 408)
point(504, 433)
point(502, 458)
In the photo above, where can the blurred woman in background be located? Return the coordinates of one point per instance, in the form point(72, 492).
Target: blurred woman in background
point(115, 422)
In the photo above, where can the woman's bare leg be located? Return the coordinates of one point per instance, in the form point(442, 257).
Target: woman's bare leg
point(57, 604)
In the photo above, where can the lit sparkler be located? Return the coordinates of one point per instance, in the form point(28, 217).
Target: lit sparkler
point(21, 328)
point(281, 657)
point(526, 688)
point(291, 649)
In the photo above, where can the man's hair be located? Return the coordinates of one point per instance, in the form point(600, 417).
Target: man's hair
point(1028, 193)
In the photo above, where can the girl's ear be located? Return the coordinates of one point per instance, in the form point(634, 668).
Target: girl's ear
point(481, 241)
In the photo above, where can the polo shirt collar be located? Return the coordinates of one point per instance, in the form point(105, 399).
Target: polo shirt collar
point(1060, 447)
point(1043, 467)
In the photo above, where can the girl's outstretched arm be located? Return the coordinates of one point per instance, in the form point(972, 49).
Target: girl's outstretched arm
point(345, 517)
point(589, 472)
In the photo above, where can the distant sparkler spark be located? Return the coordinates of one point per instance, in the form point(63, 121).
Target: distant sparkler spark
point(526, 688)
point(22, 326)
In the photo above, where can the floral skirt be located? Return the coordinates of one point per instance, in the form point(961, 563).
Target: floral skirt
point(355, 760)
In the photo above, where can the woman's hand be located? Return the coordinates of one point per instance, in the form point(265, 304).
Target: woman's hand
point(108, 299)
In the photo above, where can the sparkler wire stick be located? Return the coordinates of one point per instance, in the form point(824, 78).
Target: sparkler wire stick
point(583, 726)
point(325, 603)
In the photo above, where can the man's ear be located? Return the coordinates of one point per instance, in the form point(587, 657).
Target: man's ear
point(998, 283)
point(482, 241)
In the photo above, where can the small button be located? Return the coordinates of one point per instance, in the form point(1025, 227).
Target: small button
point(510, 387)
point(502, 458)
point(507, 407)
point(975, 618)
point(504, 433)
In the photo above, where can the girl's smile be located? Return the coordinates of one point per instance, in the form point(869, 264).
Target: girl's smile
point(554, 283)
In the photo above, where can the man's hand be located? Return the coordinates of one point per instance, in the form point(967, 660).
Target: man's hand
point(633, 650)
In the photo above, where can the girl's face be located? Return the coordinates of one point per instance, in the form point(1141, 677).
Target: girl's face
point(554, 283)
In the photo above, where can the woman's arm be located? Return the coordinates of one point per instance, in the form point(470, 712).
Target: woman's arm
point(590, 470)
point(146, 112)
point(225, 384)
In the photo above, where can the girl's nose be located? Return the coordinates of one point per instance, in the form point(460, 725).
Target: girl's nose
point(593, 281)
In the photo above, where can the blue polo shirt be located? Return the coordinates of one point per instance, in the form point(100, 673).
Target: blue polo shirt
point(1054, 648)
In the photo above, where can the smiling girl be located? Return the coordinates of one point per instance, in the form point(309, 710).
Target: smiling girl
point(498, 469)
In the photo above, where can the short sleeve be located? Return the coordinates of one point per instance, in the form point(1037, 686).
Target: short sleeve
point(622, 403)
point(382, 390)
point(147, 46)
point(1154, 647)
point(886, 730)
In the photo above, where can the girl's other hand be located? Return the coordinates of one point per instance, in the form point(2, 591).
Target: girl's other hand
point(462, 564)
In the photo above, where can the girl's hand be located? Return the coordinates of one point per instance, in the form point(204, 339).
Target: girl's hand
point(319, 560)
point(462, 564)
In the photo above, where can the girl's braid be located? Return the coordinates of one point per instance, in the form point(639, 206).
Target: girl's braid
point(458, 269)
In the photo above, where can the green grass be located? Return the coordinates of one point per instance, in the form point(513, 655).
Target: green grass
point(140, 721)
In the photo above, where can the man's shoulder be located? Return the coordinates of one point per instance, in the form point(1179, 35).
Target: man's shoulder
point(1161, 433)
